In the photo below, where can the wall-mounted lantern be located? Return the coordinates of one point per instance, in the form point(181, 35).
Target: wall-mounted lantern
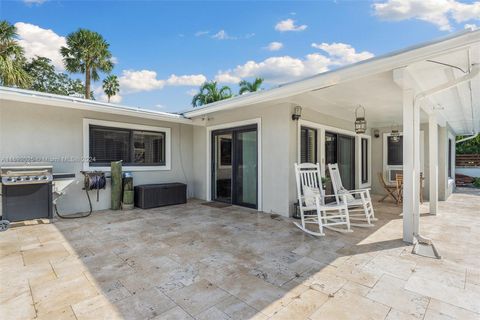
point(297, 113)
point(376, 133)
point(360, 122)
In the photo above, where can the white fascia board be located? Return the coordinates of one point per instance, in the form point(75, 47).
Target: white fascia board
point(355, 71)
point(10, 94)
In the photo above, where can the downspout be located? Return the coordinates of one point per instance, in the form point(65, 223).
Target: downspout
point(419, 239)
point(467, 138)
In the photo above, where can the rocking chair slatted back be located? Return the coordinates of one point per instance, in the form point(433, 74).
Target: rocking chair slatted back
point(307, 174)
point(336, 179)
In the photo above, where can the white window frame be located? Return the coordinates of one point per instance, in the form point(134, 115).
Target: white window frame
point(387, 167)
point(86, 144)
point(321, 129)
point(360, 158)
point(451, 180)
point(258, 122)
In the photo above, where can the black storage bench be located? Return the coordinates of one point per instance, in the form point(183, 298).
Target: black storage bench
point(157, 195)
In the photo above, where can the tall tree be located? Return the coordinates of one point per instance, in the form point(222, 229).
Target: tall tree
point(111, 86)
point(209, 92)
point(87, 52)
point(11, 58)
point(46, 79)
point(246, 86)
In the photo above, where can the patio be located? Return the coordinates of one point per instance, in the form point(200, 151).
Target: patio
point(195, 261)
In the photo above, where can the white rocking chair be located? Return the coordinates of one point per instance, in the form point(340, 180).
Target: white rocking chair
point(358, 201)
point(313, 209)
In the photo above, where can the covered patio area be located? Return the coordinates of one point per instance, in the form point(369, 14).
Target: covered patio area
point(195, 261)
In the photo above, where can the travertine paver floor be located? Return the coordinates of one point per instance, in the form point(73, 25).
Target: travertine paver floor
point(194, 261)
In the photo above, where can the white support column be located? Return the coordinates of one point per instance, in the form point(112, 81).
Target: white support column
point(411, 166)
point(433, 162)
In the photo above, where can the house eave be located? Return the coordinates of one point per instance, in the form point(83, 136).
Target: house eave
point(40, 98)
point(358, 70)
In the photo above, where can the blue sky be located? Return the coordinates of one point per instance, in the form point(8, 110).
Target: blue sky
point(281, 41)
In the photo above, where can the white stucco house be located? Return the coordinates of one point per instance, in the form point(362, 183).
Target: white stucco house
point(242, 150)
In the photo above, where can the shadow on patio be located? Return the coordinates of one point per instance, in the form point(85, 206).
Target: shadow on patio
point(196, 261)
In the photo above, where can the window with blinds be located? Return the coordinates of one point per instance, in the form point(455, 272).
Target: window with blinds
point(308, 145)
point(134, 147)
point(395, 152)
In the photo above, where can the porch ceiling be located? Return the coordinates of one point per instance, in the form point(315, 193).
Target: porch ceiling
point(382, 97)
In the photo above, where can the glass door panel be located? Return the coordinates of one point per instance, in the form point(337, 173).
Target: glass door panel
point(340, 149)
point(222, 167)
point(234, 166)
point(246, 168)
point(346, 160)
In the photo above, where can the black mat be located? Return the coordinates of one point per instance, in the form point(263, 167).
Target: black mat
point(214, 204)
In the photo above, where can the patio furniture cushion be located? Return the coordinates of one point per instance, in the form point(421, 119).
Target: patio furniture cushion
point(347, 194)
point(310, 194)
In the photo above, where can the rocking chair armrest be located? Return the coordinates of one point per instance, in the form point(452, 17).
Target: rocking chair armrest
point(359, 190)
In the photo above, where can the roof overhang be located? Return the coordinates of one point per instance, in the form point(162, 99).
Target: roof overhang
point(46, 99)
point(381, 64)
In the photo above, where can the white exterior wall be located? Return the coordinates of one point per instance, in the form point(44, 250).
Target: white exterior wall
point(321, 120)
point(378, 157)
point(50, 132)
point(275, 143)
point(41, 131)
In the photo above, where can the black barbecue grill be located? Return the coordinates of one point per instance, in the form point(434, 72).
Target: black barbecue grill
point(26, 191)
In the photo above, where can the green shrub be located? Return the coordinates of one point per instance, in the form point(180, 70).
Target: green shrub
point(476, 182)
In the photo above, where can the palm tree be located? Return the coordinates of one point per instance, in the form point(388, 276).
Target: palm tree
point(111, 86)
point(87, 52)
point(246, 86)
point(209, 92)
point(11, 58)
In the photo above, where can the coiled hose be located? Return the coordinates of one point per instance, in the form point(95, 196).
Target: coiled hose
point(93, 181)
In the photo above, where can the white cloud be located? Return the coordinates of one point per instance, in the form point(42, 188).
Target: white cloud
point(274, 46)
point(471, 26)
point(114, 99)
point(100, 95)
point(227, 77)
point(186, 80)
point(201, 33)
point(285, 68)
point(139, 80)
point(37, 41)
point(342, 53)
point(146, 80)
point(222, 35)
point(289, 25)
point(38, 2)
point(437, 12)
point(276, 69)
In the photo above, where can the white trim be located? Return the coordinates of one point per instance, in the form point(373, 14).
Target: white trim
point(258, 122)
point(369, 161)
point(450, 136)
point(321, 129)
point(86, 145)
point(54, 100)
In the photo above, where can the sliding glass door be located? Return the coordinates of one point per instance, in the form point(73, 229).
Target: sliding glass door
point(235, 165)
point(340, 149)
